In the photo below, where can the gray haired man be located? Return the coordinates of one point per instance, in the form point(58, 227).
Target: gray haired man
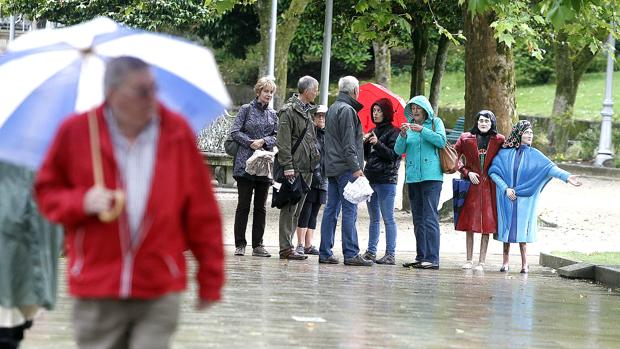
point(344, 163)
point(295, 122)
point(126, 276)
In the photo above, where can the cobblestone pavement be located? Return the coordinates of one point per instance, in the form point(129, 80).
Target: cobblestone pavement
point(272, 303)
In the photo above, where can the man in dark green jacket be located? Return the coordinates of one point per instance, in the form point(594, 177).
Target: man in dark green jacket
point(294, 123)
point(344, 163)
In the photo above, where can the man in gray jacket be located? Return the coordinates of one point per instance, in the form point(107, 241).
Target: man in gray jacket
point(344, 163)
point(294, 123)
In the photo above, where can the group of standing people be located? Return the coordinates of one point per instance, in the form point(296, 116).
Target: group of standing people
point(505, 175)
point(330, 153)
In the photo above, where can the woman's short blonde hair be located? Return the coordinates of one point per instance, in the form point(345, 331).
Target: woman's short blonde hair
point(264, 82)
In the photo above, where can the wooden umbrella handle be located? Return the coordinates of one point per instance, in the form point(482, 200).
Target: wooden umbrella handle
point(95, 149)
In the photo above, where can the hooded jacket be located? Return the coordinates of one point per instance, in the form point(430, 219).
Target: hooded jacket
point(344, 138)
point(382, 162)
point(422, 148)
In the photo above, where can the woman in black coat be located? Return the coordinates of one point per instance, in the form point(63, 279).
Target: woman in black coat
point(381, 170)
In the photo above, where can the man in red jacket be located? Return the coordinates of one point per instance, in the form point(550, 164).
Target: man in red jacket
point(127, 275)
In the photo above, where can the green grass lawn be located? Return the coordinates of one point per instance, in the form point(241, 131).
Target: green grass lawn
point(531, 100)
point(605, 258)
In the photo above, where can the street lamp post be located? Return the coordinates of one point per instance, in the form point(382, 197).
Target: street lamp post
point(11, 28)
point(271, 65)
point(327, 51)
point(604, 146)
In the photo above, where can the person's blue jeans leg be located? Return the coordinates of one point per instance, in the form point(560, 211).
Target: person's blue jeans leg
point(330, 219)
point(387, 195)
point(415, 199)
point(430, 192)
point(374, 214)
point(350, 247)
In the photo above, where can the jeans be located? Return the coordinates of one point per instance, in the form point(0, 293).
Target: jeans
point(336, 201)
point(381, 204)
point(424, 198)
point(245, 187)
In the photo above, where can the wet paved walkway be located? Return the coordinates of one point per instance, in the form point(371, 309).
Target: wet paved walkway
point(271, 303)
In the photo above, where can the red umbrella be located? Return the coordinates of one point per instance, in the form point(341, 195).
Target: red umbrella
point(369, 94)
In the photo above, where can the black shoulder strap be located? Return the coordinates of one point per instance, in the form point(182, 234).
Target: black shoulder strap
point(245, 118)
point(303, 133)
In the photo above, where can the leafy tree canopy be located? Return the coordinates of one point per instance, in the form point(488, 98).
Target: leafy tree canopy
point(534, 23)
point(187, 17)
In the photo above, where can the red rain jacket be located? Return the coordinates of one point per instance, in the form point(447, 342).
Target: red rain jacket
point(181, 214)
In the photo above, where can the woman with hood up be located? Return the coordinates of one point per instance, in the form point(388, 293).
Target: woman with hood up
point(381, 170)
point(479, 213)
point(521, 173)
point(421, 140)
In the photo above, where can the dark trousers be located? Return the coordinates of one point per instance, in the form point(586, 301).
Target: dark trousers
point(424, 198)
point(245, 188)
point(289, 216)
point(10, 337)
point(308, 215)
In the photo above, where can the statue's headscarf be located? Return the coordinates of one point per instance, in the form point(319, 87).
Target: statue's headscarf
point(514, 140)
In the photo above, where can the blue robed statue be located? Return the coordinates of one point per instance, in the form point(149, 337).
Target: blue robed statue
point(521, 173)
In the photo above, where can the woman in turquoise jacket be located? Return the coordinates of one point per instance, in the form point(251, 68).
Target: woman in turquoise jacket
point(421, 140)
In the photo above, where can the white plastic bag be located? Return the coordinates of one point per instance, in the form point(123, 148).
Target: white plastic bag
point(260, 163)
point(358, 191)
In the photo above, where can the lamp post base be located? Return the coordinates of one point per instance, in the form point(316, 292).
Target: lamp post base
point(601, 158)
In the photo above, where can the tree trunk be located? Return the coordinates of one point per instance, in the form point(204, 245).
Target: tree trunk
point(561, 115)
point(419, 39)
point(285, 32)
point(489, 73)
point(569, 69)
point(263, 10)
point(383, 65)
point(440, 67)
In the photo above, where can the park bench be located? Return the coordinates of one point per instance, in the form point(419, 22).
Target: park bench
point(453, 134)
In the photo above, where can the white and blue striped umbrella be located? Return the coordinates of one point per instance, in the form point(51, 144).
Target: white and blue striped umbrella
point(47, 75)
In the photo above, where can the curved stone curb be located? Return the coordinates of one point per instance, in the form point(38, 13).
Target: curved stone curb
point(604, 172)
point(607, 275)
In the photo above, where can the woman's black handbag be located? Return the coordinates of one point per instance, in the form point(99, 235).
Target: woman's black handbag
point(231, 146)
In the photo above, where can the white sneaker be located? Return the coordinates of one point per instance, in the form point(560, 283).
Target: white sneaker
point(467, 265)
point(300, 249)
point(479, 267)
